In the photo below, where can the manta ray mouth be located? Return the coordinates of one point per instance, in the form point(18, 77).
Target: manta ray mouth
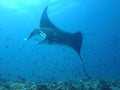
point(40, 37)
point(42, 34)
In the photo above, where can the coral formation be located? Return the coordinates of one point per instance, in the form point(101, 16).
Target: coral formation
point(60, 85)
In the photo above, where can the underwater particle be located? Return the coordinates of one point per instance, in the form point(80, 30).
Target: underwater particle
point(6, 46)
point(17, 68)
point(23, 46)
point(65, 57)
point(116, 40)
point(53, 71)
point(8, 38)
point(37, 76)
point(114, 62)
point(0, 75)
point(12, 56)
point(62, 71)
point(75, 75)
point(8, 63)
point(19, 77)
point(18, 41)
point(8, 74)
point(33, 74)
point(2, 79)
point(63, 49)
point(22, 79)
point(1, 60)
point(42, 65)
point(34, 62)
point(73, 70)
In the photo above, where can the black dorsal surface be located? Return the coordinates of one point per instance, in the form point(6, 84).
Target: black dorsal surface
point(74, 40)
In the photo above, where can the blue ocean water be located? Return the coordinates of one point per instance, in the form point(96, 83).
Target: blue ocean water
point(98, 20)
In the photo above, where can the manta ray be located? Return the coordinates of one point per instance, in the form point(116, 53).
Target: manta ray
point(54, 35)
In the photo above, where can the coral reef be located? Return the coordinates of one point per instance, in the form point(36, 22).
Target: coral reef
point(60, 85)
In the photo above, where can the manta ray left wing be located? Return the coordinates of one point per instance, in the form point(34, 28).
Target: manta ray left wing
point(45, 21)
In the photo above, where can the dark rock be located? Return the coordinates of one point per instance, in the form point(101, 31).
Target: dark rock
point(42, 87)
point(104, 85)
point(72, 88)
point(7, 87)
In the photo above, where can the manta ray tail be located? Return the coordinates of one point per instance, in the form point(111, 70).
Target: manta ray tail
point(77, 46)
point(84, 69)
